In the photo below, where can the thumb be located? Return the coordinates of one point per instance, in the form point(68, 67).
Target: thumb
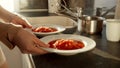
point(7, 43)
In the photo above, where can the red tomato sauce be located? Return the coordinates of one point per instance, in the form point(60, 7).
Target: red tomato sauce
point(44, 29)
point(68, 44)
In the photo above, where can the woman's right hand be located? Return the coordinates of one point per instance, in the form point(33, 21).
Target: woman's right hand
point(28, 42)
point(24, 40)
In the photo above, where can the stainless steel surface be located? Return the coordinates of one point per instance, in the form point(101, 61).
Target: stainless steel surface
point(92, 25)
point(30, 5)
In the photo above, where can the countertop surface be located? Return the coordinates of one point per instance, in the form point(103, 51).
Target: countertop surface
point(36, 14)
point(105, 55)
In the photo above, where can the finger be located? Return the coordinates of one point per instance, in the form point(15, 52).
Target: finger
point(26, 24)
point(22, 22)
point(38, 51)
point(34, 50)
point(29, 25)
point(40, 43)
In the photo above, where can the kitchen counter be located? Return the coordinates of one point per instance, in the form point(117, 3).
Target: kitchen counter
point(36, 14)
point(105, 55)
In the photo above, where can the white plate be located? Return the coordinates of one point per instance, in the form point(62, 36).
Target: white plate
point(89, 44)
point(58, 27)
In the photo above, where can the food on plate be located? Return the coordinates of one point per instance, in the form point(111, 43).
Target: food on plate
point(66, 44)
point(44, 29)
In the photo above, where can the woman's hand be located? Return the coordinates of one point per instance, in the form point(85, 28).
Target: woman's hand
point(20, 21)
point(28, 43)
point(9, 17)
point(12, 35)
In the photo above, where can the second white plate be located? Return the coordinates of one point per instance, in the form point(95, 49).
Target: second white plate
point(89, 43)
point(58, 27)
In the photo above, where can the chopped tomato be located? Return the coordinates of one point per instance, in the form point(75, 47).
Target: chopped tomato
point(44, 29)
point(63, 44)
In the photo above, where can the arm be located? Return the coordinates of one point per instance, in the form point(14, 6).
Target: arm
point(13, 18)
point(5, 15)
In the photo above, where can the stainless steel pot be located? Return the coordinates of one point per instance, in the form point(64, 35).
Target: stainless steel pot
point(92, 25)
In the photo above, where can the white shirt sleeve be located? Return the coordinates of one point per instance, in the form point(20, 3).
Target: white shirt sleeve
point(2, 57)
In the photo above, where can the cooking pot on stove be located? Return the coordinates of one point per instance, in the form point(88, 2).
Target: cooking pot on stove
point(92, 24)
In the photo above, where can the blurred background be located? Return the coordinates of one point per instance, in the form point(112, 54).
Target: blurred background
point(89, 6)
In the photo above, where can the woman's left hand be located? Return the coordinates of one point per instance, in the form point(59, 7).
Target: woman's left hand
point(20, 21)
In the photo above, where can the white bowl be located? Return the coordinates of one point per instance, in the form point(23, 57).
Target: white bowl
point(58, 27)
point(89, 44)
point(69, 24)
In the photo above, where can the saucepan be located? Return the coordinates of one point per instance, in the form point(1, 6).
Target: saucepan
point(92, 24)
